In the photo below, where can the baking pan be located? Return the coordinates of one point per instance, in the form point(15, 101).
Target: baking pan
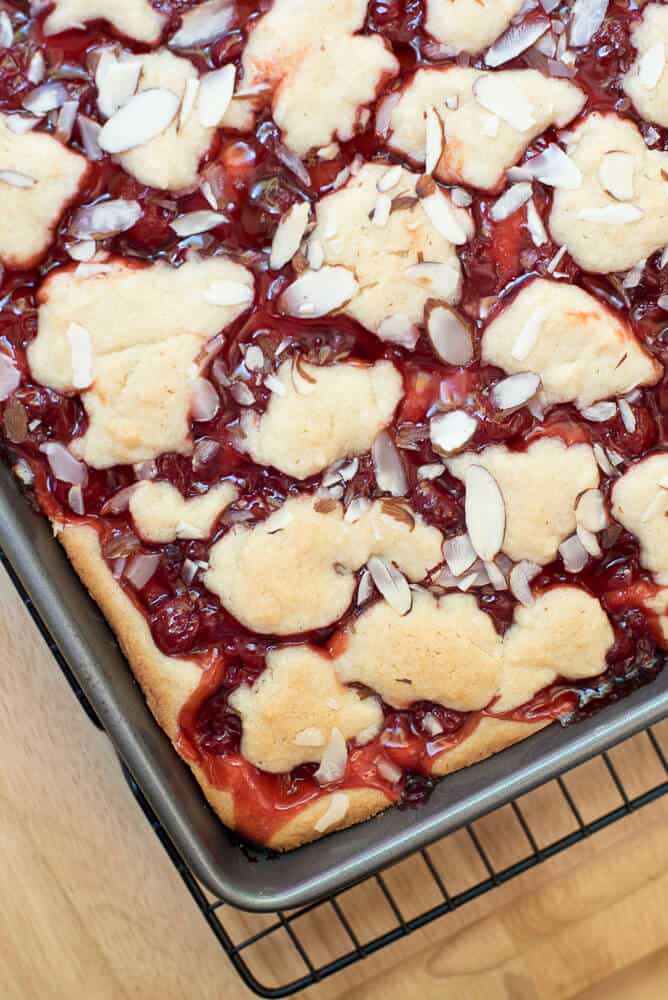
point(254, 880)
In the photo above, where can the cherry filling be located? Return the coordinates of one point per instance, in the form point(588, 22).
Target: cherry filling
point(256, 183)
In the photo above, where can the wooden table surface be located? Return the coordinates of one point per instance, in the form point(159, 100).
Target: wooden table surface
point(91, 906)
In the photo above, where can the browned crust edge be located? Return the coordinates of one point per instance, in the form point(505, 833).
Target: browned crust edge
point(168, 682)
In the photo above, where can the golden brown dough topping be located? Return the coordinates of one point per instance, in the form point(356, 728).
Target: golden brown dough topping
point(343, 325)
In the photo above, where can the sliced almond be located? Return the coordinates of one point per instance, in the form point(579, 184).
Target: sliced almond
point(381, 212)
point(510, 202)
point(288, 235)
point(399, 329)
point(116, 81)
point(46, 98)
point(573, 554)
point(515, 391)
point(627, 415)
point(495, 576)
point(589, 541)
point(203, 24)
point(14, 178)
point(388, 467)
point(317, 293)
point(392, 584)
point(229, 293)
point(390, 179)
point(190, 93)
point(192, 223)
point(616, 174)
point(588, 16)
point(443, 217)
point(434, 140)
point(81, 354)
point(502, 98)
point(310, 737)
point(600, 413)
point(517, 39)
point(590, 512)
point(449, 432)
point(334, 760)
point(215, 93)
point(554, 168)
point(336, 811)
point(485, 512)
point(535, 225)
point(459, 554)
point(106, 218)
point(520, 579)
point(144, 117)
point(651, 66)
point(612, 215)
point(528, 335)
point(450, 336)
point(442, 281)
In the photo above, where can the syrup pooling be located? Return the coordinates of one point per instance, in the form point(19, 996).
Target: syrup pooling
point(255, 181)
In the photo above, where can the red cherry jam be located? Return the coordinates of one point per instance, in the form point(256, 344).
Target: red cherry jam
point(255, 181)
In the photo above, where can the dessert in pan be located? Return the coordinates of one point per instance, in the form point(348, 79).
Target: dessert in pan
point(332, 344)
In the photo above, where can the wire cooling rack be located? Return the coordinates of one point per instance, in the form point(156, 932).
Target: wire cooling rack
point(277, 955)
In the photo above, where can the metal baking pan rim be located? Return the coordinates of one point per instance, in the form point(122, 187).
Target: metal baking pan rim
point(316, 870)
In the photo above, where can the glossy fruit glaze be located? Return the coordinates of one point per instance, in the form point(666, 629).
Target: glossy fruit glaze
point(255, 184)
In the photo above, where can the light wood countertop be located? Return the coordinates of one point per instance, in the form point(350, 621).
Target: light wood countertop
point(92, 907)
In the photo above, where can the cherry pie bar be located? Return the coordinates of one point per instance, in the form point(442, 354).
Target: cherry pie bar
point(332, 343)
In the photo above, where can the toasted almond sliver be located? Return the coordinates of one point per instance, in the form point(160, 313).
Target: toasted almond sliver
point(590, 511)
point(450, 336)
point(392, 584)
point(15, 179)
point(515, 391)
point(616, 173)
point(192, 223)
point(511, 201)
point(442, 215)
point(651, 66)
point(144, 117)
point(520, 579)
point(451, 431)
point(485, 512)
point(434, 140)
point(336, 811)
point(288, 235)
point(317, 293)
point(215, 93)
point(502, 98)
point(528, 335)
point(82, 358)
point(573, 554)
point(388, 467)
point(459, 554)
point(229, 293)
point(620, 214)
point(390, 179)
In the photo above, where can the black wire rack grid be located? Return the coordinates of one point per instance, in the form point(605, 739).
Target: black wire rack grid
point(251, 940)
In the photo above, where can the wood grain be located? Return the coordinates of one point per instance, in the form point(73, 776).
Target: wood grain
point(92, 907)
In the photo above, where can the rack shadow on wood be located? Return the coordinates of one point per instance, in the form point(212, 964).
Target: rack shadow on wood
point(318, 940)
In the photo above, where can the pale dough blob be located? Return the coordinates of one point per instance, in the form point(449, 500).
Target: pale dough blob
point(640, 503)
point(294, 571)
point(147, 325)
point(161, 514)
point(583, 352)
point(446, 651)
point(137, 19)
point(383, 257)
point(289, 713)
point(540, 487)
point(648, 92)
point(469, 25)
point(320, 72)
point(479, 147)
point(171, 161)
point(312, 425)
point(607, 246)
point(565, 633)
point(50, 177)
